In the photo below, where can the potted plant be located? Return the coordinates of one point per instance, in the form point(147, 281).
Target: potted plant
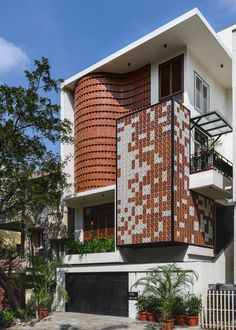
point(167, 306)
point(156, 309)
point(141, 305)
point(152, 302)
point(193, 306)
point(43, 300)
point(180, 310)
point(43, 280)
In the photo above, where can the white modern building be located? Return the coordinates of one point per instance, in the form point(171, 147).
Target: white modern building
point(152, 163)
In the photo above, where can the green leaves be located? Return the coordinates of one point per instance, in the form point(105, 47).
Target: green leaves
point(29, 120)
point(193, 305)
point(166, 283)
point(43, 276)
point(92, 246)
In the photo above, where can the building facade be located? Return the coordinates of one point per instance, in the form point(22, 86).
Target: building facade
point(151, 164)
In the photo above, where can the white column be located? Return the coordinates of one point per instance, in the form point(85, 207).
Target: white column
point(234, 138)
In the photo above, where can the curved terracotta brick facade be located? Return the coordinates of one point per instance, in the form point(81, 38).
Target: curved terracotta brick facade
point(100, 99)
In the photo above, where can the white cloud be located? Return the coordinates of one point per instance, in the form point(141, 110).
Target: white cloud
point(12, 57)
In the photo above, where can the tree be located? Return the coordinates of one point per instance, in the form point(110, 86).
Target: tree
point(31, 174)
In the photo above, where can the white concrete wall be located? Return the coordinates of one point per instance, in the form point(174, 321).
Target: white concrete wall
point(67, 150)
point(218, 271)
point(226, 36)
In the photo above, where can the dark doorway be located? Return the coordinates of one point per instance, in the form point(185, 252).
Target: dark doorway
point(98, 293)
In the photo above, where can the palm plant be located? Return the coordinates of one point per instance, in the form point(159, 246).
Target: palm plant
point(167, 307)
point(165, 280)
point(43, 277)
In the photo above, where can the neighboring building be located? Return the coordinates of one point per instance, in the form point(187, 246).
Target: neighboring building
point(144, 169)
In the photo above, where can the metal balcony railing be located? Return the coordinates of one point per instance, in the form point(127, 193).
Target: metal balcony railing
point(210, 159)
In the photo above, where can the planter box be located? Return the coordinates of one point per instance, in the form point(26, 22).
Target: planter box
point(93, 258)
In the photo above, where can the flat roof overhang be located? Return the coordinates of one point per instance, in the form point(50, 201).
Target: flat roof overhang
point(103, 193)
point(189, 30)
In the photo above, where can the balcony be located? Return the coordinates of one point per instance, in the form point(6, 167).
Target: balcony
point(211, 174)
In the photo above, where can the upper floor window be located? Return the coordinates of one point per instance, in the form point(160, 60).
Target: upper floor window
point(99, 221)
point(171, 79)
point(201, 94)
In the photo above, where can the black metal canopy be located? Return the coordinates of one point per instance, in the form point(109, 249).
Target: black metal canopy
point(212, 124)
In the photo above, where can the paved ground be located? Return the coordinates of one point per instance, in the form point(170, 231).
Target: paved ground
point(76, 321)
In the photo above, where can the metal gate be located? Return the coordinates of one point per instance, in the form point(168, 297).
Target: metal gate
point(97, 293)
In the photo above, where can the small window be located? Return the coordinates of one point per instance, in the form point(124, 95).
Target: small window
point(171, 79)
point(201, 94)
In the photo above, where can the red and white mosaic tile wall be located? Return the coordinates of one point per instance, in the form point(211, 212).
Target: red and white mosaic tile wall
point(193, 213)
point(144, 176)
point(144, 173)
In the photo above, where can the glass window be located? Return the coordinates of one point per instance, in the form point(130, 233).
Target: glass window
point(201, 94)
point(171, 79)
point(99, 221)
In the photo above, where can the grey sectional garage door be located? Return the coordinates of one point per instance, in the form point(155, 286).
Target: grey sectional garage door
point(98, 293)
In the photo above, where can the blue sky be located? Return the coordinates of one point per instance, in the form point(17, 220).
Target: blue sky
point(75, 34)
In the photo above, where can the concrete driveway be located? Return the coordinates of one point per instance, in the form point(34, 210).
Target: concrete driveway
point(76, 321)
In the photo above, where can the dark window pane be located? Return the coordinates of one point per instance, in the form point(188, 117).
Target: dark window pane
point(165, 80)
point(177, 76)
point(99, 221)
point(198, 92)
point(204, 99)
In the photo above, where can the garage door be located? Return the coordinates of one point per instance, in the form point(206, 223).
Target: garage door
point(98, 293)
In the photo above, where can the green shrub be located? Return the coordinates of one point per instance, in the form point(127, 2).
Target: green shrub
point(147, 303)
point(180, 306)
point(21, 313)
point(193, 305)
point(6, 318)
point(142, 303)
point(91, 246)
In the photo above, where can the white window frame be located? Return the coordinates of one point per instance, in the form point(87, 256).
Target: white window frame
point(203, 84)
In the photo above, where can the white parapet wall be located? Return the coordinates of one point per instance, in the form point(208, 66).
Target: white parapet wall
point(93, 258)
point(209, 272)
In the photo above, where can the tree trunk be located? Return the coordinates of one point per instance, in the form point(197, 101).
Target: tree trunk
point(5, 283)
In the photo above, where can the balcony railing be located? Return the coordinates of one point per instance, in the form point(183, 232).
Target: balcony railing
point(208, 160)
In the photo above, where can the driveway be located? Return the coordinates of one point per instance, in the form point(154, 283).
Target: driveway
point(76, 321)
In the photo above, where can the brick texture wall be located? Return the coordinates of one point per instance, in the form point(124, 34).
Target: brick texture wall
point(154, 203)
point(100, 99)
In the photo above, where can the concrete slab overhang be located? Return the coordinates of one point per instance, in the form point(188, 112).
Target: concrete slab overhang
point(190, 30)
point(211, 184)
point(103, 193)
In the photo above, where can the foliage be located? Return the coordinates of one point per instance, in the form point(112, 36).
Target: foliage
point(21, 313)
point(193, 305)
point(43, 276)
point(31, 174)
point(6, 318)
point(29, 122)
point(147, 303)
point(180, 305)
point(165, 280)
point(167, 306)
point(142, 303)
point(165, 284)
point(91, 246)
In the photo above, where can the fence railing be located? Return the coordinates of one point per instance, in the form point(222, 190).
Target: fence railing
point(207, 160)
point(218, 310)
